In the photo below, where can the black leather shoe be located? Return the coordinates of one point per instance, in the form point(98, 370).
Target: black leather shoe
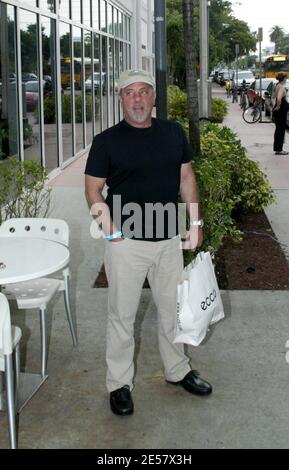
point(193, 383)
point(121, 402)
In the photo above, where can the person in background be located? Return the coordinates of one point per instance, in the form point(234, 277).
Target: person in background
point(280, 110)
point(143, 161)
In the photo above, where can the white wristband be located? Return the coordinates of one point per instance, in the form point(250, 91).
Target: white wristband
point(197, 223)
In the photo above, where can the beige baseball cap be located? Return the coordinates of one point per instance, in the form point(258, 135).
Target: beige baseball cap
point(128, 77)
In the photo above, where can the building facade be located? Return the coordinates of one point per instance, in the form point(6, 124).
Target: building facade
point(60, 62)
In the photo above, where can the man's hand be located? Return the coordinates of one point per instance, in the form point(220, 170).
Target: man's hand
point(194, 238)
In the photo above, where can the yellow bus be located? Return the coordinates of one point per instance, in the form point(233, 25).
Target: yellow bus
point(66, 72)
point(275, 64)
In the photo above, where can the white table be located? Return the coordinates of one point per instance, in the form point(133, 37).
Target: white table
point(24, 259)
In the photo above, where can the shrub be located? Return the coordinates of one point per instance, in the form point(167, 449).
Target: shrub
point(229, 182)
point(177, 104)
point(23, 191)
point(178, 107)
point(219, 110)
point(248, 182)
point(49, 109)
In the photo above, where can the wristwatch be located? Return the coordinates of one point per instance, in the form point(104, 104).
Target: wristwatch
point(198, 223)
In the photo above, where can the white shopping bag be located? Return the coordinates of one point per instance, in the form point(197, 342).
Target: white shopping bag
point(199, 302)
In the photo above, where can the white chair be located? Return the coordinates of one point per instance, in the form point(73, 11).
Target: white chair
point(9, 341)
point(37, 293)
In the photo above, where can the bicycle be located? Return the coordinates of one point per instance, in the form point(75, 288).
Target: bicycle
point(252, 114)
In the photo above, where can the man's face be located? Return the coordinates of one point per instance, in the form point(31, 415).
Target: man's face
point(137, 102)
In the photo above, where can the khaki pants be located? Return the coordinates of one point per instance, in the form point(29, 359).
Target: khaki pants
point(127, 264)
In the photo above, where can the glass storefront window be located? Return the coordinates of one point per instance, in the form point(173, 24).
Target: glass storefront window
point(111, 80)
point(115, 83)
point(76, 10)
point(105, 84)
point(110, 19)
point(99, 82)
point(9, 132)
point(95, 13)
point(123, 26)
point(66, 90)
point(31, 85)
point(29, 2)
point(64, 8)
point(47, 5)
point(128, 28)
point(78, 87)
point(103, 17)
point(116, 25)
point(89, 84)
point(92, 60)
point(49, 91)
point(86, 12)
point(120, 30)
point(128, 59)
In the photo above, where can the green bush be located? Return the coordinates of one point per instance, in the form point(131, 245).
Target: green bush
point(248, 182)
point(229, 183)
point(178, 107)
point(177, 104)
point(219, 110)
point(23, 190)
point(49, 109)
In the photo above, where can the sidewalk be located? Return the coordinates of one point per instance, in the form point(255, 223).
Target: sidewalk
point(243, 356)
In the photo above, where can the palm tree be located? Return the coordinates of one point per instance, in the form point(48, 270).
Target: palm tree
point(276, 36)
point(191, 76)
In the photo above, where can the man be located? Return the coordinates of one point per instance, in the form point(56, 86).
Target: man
point(145, 162)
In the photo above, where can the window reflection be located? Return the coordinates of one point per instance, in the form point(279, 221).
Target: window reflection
point(77, 64)
point(89, 83)
point(64, 9)
point(9, 135)
point(103, 19)
point(30, 81)
point(66, 96)
point(115, 84)
point(95, 13)
point(120, 28)
point(47, 5)
point(29, 2)
point(116, 20)
point(49, 91)
point(75, 6)
point(86, 15)
point(110, 19)
point(111, 81)
point(99, 84)
point(105, 85)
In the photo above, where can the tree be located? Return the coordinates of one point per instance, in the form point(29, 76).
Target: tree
point(225, 32)
point(191, 76)
point(175, 44)
point(276, 36)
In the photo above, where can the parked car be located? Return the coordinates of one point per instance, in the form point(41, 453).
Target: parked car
point(96, 81)
point(244, 77)
point(253, 94)
point(29, 77)
point(32, 94)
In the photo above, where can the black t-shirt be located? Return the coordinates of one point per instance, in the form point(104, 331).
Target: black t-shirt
point(142, 170)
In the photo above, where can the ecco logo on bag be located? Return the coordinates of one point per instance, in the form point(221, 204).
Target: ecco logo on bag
point(209, 300)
